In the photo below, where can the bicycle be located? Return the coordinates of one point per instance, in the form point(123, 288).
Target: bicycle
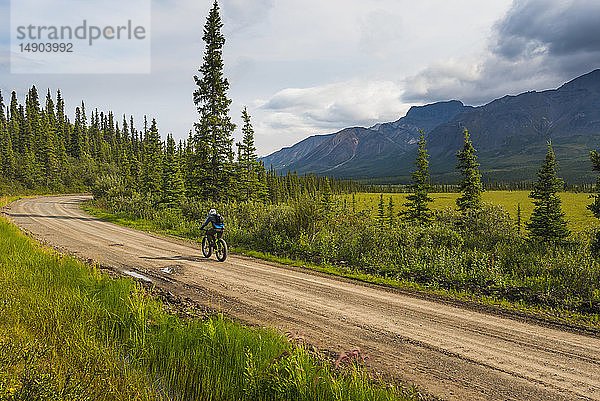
point(220, 248)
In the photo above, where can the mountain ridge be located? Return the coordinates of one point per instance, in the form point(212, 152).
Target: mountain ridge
point(509, 132)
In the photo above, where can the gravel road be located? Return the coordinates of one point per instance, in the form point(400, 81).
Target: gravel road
point(455, 352)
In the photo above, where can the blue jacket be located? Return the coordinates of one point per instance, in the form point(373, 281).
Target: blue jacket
point(211, 219)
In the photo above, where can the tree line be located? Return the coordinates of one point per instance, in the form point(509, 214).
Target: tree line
point(42, 148)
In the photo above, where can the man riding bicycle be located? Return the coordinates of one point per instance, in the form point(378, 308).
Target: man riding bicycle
point(217, 226)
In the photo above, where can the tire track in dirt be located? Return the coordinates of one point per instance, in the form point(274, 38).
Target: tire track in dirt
point(458, 353)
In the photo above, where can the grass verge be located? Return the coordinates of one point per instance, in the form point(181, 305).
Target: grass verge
point(558, 315)
point(69, 332)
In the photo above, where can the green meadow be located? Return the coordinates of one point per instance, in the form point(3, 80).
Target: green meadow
point(574, 204)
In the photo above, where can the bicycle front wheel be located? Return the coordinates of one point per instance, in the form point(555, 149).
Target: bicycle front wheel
point(221, 251)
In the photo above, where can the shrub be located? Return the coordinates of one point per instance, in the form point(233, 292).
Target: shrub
point(110, 186)
point(483, 228)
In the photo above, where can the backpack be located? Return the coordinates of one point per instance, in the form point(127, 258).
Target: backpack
point(219, 220)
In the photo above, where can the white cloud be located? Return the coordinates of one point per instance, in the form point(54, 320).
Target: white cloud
point(294, 113)
point(381, 34)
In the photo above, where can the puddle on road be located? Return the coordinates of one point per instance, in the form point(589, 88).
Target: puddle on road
point(137, 275)
point(173, 269)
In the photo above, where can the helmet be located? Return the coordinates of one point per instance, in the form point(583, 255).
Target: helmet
point(212, 211)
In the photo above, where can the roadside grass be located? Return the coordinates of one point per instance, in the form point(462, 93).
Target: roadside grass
point(574, 205)
point(556, 313)
point(69, 332)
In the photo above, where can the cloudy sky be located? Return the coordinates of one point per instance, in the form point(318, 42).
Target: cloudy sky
point(312, 66)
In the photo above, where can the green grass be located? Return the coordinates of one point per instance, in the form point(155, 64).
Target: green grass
point(574, 204)
point(68, 332)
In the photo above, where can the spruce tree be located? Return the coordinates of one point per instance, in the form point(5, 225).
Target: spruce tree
point(187, 166)
point(390, 212)
point(14, 125)
point(519, 220)
point(213, 161)
point(248, 164)
point(595, 206)
point(152, 165)
point(32, 120)
point(470, 185)
point(417, 208)
point(326, 198)
point(263, 186)
point(548, 220)
point(173, 188)
point(7, 158)
point(381, 212)
point(48, 161)
point(61, 134)
point(29, 169)
point(76, 148)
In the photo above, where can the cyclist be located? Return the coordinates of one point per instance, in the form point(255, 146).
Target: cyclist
point(217, 226)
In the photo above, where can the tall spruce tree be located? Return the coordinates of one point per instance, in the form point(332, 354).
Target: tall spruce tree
point(470, 185)
point(213, 161)
point(547, 220)
point(417, 208)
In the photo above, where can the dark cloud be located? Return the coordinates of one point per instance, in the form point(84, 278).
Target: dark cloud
point(537, 45)
point(558, 28)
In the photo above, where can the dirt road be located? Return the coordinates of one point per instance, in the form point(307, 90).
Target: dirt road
point(457, 353)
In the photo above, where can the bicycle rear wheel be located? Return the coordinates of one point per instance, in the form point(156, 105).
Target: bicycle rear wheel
point(206, 248)
point(221, 251)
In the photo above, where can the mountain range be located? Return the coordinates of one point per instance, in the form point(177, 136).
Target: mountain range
point(510, 134)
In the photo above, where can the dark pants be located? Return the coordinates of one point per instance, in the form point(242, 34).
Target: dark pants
point(210, 233)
